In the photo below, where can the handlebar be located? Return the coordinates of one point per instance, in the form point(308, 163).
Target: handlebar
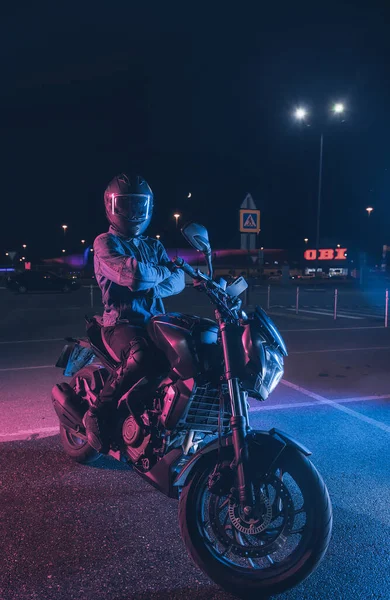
point(216, 293)
point(180, 262)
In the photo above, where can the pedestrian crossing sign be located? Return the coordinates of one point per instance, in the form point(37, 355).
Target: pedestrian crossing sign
point(249, 220)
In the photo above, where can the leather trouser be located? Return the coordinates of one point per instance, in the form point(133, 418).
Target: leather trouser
point(130, 343)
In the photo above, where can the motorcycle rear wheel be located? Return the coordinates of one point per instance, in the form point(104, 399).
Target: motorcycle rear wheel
point(259, 575)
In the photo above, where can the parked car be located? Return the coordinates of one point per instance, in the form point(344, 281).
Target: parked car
point(41, 281)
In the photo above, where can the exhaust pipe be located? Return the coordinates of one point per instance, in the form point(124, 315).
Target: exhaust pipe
point(68, 406)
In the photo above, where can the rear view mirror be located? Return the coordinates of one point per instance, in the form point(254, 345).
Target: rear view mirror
point(198, 237)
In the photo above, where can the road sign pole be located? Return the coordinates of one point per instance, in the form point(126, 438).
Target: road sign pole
point(268, 297)
point(387, 308)
point(297, 301)
point(91, 291)
point(336, 293)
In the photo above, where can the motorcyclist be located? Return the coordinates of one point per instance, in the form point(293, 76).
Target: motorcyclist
point(134, 273)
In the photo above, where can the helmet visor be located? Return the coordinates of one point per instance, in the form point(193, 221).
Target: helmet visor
point(133, 207)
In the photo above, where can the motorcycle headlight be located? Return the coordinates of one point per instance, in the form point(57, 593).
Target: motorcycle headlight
point(274, 369)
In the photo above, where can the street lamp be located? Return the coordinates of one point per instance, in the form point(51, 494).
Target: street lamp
point(83, 241)
point(189, 195)
point(24, 246)
point(63, 250)
point(300, 114)
point(306, 240)
point(158, 236)
point(369, 209)
point(64, 227)
point(338, 108)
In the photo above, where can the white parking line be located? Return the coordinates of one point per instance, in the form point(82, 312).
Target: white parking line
point(328, 314)
point(324, 350)
point(305, 330)
point(338, 406)
point(331, 329)
point(261, 407)
point(27, 368)
point(33, 341)
point(28, 434)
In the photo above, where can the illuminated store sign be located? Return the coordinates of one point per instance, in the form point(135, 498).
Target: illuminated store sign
point(326, 254)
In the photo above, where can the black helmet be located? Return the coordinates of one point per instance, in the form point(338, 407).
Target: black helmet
point(129, 204)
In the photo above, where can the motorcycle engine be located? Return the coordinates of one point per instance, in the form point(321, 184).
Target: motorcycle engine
point(131, 432)
point(136, 435)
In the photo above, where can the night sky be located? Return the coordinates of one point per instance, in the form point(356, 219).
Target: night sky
point(199, 99)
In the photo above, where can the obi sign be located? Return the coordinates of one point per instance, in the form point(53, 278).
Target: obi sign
point(326, 254)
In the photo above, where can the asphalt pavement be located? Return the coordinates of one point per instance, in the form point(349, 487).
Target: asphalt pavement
point(70, 531)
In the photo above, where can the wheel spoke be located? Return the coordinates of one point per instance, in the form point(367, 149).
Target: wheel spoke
point(270, 560)
point(225, 520)
point(222, 506)
point(238, 536)
point(300, 510)
point(297, 531)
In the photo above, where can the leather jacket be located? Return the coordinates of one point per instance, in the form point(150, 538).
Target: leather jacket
point(134, 275)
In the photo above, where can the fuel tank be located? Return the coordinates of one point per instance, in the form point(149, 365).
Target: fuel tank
point(190, 343)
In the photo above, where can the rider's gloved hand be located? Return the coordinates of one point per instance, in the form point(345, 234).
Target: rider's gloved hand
point(198, 285)
point(172, 267)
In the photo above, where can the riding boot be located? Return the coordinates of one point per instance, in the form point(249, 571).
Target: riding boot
point(96, 419)
point(96, 429)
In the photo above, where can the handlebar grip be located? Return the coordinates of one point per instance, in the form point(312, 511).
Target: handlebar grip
point(180, 262)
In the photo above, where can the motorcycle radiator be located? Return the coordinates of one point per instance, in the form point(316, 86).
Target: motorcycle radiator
point(203, 410)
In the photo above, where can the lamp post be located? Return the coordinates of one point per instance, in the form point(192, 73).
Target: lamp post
point(64, 227)
point(369, 210)
point(177, 217)
point(301, 114)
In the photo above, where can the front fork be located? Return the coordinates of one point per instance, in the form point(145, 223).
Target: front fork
point(231, 337)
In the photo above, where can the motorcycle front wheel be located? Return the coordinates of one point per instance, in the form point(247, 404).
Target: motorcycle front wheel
point(273, 550)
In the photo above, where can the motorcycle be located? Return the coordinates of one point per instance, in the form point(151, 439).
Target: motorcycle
point(254, 513)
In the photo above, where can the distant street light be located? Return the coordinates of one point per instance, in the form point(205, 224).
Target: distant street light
point(24, 246)
point(369, 209)
point(63, 250)
point(300, 113)
point(306, 240)
point(91, 250)
point(338, 108)
point(189, 195)
point(64, 227)
point(83, 241)
point(158, 236)
point(177, 217)
point(6, 254)
point(338, 246)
